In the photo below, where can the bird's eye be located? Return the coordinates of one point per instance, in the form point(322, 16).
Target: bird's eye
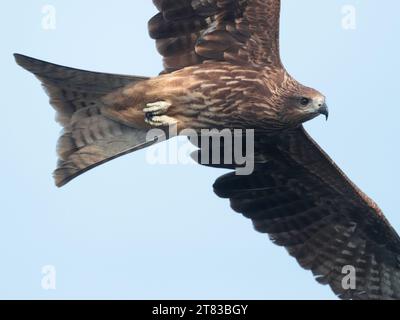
point(305, 101)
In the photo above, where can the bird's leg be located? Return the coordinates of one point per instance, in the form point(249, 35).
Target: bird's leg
point(155, 114)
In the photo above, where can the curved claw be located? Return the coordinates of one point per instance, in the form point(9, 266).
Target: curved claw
point(160, 121)
point(155, 114)
point(157, 108)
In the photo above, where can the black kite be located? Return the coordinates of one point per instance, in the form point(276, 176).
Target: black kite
point(223, 70)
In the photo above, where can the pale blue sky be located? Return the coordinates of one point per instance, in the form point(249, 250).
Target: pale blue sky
point(132, 230)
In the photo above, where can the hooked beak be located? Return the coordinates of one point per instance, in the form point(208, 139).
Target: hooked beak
point(324, 110)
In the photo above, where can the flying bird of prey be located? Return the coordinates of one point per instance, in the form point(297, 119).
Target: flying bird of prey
point(222, 69)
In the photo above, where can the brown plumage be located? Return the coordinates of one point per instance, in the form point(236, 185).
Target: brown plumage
point(222, 69)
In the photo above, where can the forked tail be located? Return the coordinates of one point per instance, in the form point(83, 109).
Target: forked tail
point(88, 138)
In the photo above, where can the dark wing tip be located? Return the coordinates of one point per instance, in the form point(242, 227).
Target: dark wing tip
point(30, 64)
point(22, 60)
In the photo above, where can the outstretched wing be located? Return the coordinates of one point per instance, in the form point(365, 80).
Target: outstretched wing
point(188, 32)
point(305, 203)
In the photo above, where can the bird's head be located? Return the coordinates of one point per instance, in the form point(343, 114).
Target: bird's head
point(301, 104)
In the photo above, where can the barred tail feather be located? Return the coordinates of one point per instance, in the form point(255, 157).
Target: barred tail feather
point(89, 138)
